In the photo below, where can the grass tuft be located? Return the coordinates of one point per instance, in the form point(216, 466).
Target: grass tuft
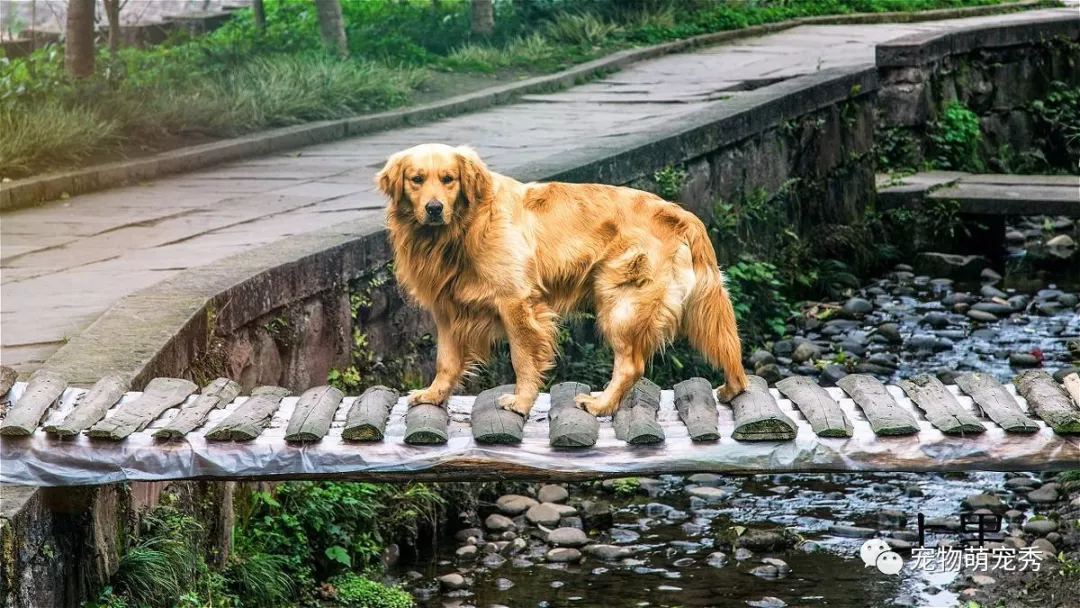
point(584, 29)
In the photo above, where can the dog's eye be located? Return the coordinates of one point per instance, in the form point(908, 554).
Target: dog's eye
point(418, 179)
point(446, 179)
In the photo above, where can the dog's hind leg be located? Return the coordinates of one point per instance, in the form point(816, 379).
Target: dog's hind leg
point(531, 328)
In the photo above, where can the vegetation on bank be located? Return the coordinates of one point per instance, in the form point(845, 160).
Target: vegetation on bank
point(303, 543)
point(245, 76)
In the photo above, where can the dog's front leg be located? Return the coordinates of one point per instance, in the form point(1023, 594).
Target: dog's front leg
point(449, 364)
point(531, 330)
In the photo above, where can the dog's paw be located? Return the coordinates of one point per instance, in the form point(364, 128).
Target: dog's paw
point(596, 405)
point(516, 403)
point(729, 391)
point(427, 396)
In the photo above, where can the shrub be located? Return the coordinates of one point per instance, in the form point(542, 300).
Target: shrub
point(955, 138)
point(583, 29)
point(356, 591)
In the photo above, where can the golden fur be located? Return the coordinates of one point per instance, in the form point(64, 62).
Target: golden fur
point(494, 258)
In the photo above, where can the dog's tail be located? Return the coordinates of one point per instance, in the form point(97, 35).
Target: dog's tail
point(709, 317)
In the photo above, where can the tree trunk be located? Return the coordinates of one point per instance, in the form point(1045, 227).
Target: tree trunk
point(260, 14)
point(79, 45)
point(483, 17)
point(332, 26)
point(112, 13)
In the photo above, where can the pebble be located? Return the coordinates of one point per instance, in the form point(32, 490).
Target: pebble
point(892, 518)
point(493, 561)
point(852, 531)
point(742, 554)
point(891, 332)
point(452, 581)
point(466, 553)
point(567, 537)
point(622, 536)
point(543, 514)
point(502, 584)
point(983, 580)
point(563, 555)
point(1024, 360)
point(1023, 481)
point(514, 504)
point(984, 501)
point(464, 535)
point(831, 374)
point(708, 493)
point(935, 320)
point(552, 493)
point(981, 316)
point(499, 523)
point(683, 562)
point(806, 351)
point(767, 602)
point(609, 553)
point(706, 479)
point(781, 566)
point(596, 515)
point(765, 571)
point(1044, 495)
point(1045, 547)
point(717, 559)
point(857, 307)
point(764, 540)
point(1040, 527)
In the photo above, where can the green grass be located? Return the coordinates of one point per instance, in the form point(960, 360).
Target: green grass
point(238, 79)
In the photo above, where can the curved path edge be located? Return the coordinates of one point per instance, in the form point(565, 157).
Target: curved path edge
point(40, 189)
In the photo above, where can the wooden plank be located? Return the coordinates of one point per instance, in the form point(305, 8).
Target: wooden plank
point(44, 388)
point(940, 406)
point(1072, 386)
point(366, 420)
point(492, 423)
point(884, 413)
point(635, 421)
point(569, 426)
point(248, 421)
point(7, 379)
point(426, 424)
point(159, 395)
point(820, 409)
point(91, 406)
point(757, 417)
point(696, 404)
point(215, 395)
point(1048, 400)
point(995, 402)
point(310, 420)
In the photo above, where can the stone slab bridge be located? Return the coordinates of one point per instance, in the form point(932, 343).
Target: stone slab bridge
point(53, 435)
point(988, 195)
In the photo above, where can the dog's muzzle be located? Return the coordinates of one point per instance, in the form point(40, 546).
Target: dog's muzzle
point(434, 210)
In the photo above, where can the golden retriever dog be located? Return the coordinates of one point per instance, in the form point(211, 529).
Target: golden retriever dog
point(494, 258)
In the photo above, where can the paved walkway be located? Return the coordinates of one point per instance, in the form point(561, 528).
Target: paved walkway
point(63, 264)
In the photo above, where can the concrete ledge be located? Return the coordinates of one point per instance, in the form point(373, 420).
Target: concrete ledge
point(921, 49)
point(43, 188)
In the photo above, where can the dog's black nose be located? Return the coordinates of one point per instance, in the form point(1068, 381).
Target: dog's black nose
point(434, 208)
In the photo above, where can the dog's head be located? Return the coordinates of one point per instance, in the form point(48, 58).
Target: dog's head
point(434, 184)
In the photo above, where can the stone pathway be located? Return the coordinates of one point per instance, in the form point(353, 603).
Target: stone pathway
point(64, 263)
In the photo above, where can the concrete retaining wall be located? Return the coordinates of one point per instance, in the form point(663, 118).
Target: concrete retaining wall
point(995, 71)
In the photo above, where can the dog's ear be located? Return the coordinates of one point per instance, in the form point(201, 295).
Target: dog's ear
point(391, 180)
point(476, 182)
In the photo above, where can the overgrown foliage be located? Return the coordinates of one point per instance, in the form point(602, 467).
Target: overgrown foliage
point(285, 543)
point(1057, 123)
point(955, 138)
point(240, 78)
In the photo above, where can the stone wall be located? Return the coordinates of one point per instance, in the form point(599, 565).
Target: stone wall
point(996, 72)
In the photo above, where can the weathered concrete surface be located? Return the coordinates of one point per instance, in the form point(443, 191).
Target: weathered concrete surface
point(987, 194)
point(64, 263)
